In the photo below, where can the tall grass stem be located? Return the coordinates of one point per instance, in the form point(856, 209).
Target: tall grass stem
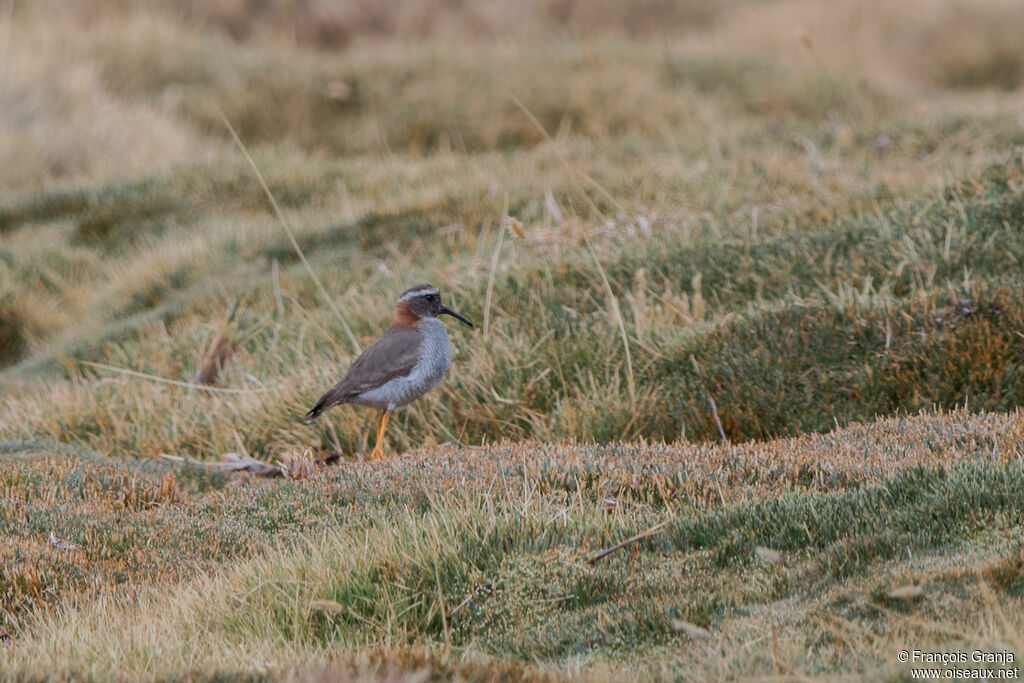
point(494, 267)
point(291, 235)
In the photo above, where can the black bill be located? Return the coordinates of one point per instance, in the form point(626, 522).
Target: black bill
point(456, 314)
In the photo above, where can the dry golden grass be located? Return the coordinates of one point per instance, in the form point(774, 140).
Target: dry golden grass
point(331, 26)
point(916, 44)
point(176, 66)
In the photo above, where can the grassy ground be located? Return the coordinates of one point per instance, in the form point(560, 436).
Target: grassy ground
point(726, 222)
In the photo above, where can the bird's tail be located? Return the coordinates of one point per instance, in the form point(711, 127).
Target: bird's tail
point(315, 411)
point(332, 397)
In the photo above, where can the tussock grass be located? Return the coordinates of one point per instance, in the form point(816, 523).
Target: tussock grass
point(904, 309)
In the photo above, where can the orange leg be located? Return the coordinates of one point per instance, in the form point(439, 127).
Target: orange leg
point(382, 426)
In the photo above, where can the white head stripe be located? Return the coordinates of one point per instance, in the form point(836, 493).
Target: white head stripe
point(418, 292)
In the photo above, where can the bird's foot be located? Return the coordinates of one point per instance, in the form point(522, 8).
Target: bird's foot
point(382, 427)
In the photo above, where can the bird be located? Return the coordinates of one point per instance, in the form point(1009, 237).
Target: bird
point(407, 361)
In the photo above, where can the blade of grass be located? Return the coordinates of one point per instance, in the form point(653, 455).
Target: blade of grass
point(629, 541)
point(494, 266)
point(613, 303)
point(565, 160)
point(291, 235)
point(172, 382)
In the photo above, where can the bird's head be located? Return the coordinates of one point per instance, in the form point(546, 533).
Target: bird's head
point(423, 301)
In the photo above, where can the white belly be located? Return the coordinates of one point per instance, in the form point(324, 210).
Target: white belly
point(435, 357)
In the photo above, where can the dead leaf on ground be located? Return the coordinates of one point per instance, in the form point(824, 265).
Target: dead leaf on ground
point(517, 227)
point(692, 630)
point(61, 544)
point(909, 592)
point(768, 555)
point(299, 465)
point(232, 332)
point(327, 606)
point(243, 462)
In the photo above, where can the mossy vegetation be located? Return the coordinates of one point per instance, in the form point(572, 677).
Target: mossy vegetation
point(491, 551)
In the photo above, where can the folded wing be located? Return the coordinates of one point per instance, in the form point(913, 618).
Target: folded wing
point(395, 354)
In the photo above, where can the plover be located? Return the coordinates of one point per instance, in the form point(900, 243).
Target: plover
point(408, 360)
